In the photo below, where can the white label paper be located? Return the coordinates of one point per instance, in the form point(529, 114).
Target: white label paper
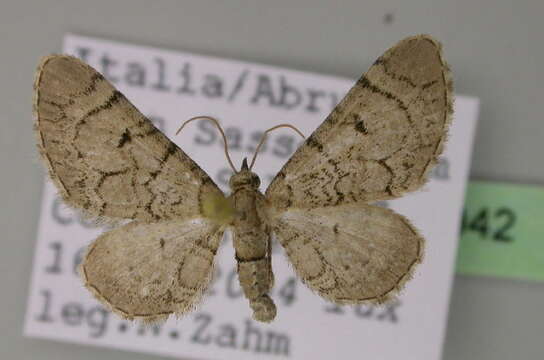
point(172, 86)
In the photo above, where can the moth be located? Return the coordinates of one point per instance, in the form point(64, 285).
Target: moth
point(379, 142)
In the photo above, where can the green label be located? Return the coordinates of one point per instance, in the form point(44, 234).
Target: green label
point(502, 231)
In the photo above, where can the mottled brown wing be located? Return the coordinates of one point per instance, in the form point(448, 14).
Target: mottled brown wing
point(147, 271)
point(350, 254)
point(104, 156)
point(381, 140)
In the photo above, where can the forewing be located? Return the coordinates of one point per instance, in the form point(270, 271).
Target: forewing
point(351, 253)
point(149, 271)
point(382, 138)
point(104, 156)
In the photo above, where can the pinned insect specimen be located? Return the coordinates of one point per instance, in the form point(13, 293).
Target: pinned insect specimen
point(380, 142)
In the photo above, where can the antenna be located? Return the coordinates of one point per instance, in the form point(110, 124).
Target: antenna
point(264, 138)
point(216, 123)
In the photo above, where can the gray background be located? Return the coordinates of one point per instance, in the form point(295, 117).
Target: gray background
point(495, 49)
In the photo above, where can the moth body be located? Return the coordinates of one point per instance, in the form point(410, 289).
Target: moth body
point(252, 243)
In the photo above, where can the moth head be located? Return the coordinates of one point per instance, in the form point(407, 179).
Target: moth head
point(245, 178)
